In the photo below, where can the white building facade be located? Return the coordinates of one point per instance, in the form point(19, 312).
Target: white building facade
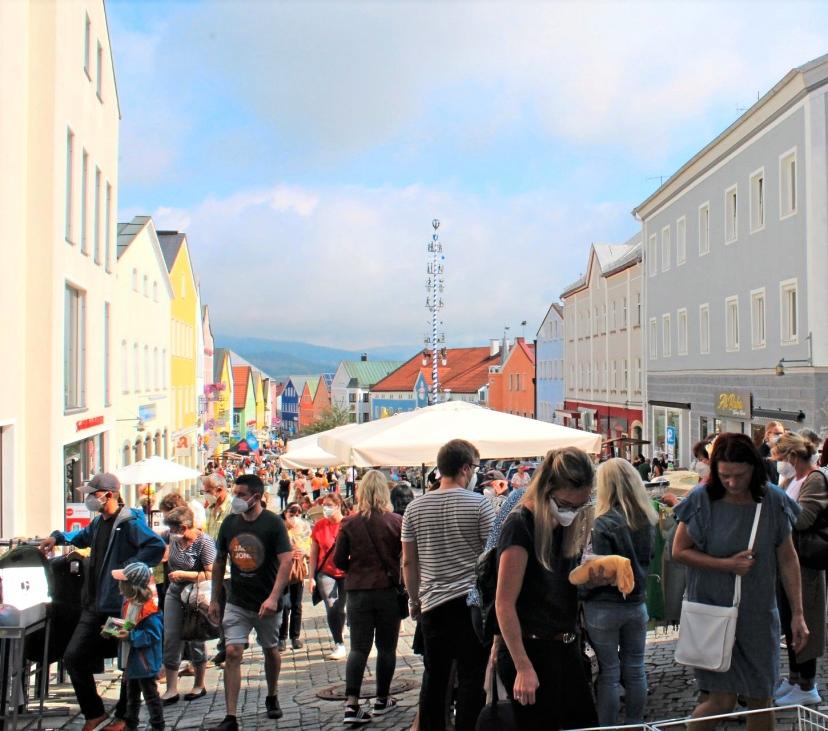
point(736, 263)
point(58, 202)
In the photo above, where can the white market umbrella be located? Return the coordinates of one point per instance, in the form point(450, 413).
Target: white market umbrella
point(414, 437)
point(155, 469)
point(305, 452)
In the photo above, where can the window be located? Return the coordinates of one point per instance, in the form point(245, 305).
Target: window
point(108, 228)
point(70, 193)
point(731, 216)
point(789, 311)
point(625, 383)
point(146, 368)
point(74, 348)
point(87, 46)
point(651, 255)
point(666, 248)
point(704, 229)
point(603, 319)
point(757, 200)
point(106, 363)
point(614, 375)
point(666, 336)
point(136, 368)
point(681, 241)
point(653, 339)
point(146, 286)
point(124, 367)
point(155, 291)
point(732, 323)
point(96, 234)
point(638, 374)
point(135, 281)
point(83, 211)
point(638, 309)
point(613, 323)
point(704, 329)
point(164, 367)
point(681, 331)
point(98, 69)
point(624, 315)
point(156, 381)
point(787, 184)
point(757, 318)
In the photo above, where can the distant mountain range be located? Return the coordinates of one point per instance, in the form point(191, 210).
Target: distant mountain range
point(282, 358)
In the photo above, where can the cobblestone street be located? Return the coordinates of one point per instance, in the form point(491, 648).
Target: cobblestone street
point(306, 672)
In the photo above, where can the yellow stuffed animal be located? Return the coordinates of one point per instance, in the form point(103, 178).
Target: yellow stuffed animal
point(617, 570)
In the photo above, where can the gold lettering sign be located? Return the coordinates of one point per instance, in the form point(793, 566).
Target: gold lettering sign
point(736, 403)
point(730, 402)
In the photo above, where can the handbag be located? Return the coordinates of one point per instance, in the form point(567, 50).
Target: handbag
point(316, 595)
point(812, 544)
point(402, 594)
point(707, 632)
point(196, 624)
point(298, 571)
point(496, 715)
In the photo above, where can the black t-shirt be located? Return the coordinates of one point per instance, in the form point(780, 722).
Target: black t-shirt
point(547, 604)
point(284, 487)
point(96, 558)
point(253, 548)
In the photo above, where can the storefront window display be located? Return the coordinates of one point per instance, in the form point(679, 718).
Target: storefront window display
point(81, 460)
point(667, 434)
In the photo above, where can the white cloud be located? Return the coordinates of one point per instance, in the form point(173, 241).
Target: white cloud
point(349, 269)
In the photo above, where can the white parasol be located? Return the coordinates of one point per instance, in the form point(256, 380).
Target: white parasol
point(155, 469)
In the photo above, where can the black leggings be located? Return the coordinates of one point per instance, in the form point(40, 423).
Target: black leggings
point(805, 670)
point(292, 611)
point(129, 702)
point(373, 616)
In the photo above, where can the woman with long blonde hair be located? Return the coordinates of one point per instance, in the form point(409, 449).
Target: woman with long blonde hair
point(541, 541)
point(368, 548)
point(617, 624)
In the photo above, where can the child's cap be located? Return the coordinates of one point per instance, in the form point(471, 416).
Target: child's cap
point(136, 573)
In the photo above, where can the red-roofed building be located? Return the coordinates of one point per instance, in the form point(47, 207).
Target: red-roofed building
point(244, 401)
point(512, 384)
point(464, 376)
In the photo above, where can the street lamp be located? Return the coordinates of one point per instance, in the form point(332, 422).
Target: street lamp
point(780, 366)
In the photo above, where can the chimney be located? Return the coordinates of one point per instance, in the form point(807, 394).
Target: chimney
point(364, 357)
point(494, 347)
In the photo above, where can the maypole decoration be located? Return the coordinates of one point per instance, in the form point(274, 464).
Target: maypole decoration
point(436, 340)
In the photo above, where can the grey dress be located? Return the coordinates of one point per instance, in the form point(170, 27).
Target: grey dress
point(721, 529)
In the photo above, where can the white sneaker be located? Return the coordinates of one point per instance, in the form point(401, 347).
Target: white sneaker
point(798, 697)
point(340, 653)
point(785, 686)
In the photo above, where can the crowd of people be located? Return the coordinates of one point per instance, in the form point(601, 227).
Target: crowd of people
point(372, 553)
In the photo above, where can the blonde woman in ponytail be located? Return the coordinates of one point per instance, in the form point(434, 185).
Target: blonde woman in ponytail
point(617, 624)
point(540, 543)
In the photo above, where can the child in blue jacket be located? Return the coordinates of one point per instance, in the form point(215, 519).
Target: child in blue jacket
point(141, 648)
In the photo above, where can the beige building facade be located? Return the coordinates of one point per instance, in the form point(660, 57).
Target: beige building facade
point(58, 198)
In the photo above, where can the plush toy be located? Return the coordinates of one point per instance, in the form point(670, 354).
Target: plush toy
point(615, 570)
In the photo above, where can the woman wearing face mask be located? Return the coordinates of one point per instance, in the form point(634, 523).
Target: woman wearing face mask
point(808, 488)
point(541, 541)
point(326, 575)
point(299, 534)
point(190, 560)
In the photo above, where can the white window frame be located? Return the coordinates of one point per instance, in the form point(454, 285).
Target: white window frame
point(732, 343)
point(108, 229)
point(124, 367)
point(107, 364)
point(704, 228)
point(758, 200)
point(681, 240)
point(625, 314)
point(681, 331)
point(638, 309)
point(666, 335)
point(96, 220)
point(74, 348)
point(613, 317)
point(786, 336)
point(99, 72)
point(652, 246)
point(84, 212)
point(704, 329)
point(666, 248)
point(788, 186)
point(652, 339)
point(758, 340)
point(731, 192)
point(69, 231)
point(87, 46)
point(638, 374)
point(614, 382)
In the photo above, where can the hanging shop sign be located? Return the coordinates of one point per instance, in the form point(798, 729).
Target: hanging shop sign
point(734, 404)
point(89, 423)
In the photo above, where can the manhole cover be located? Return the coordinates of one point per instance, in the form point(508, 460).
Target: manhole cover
point(336, 692)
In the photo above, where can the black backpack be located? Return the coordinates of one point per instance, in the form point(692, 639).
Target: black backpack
point(486, 582)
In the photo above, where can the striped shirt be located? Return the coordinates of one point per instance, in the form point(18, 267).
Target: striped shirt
point(201, 553)
point(449, 528)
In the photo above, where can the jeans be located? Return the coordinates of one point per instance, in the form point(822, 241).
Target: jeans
point(617, 633)
point(84, 656)
point(173, 621)
point(129, 702)
point(333, 595)
point(372, 611)
point(292, 611)
point(448, 635)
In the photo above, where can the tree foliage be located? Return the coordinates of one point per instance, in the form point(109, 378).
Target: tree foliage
point(330, 418)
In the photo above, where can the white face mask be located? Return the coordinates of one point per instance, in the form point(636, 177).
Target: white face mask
point(209, 499)
point(774, 439)
point(239, 505)
point(785, 469)
point(328, 511)
point(175, 537)
point(564, 517)
point(472, 481)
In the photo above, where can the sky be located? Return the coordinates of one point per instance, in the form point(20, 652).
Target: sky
point(305, 147)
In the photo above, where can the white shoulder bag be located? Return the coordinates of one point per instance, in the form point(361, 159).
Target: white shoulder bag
point(707, 632)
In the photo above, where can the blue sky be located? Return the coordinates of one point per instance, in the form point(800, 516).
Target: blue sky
point(306, 146)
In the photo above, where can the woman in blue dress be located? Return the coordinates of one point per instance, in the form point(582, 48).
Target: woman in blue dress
point(711, 540)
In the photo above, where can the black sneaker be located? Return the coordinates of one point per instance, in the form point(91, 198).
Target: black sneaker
point(356, 716)
point(297, 644)
point(272, 705)
point(228, 724)
point(386, 705)
point(282, 645)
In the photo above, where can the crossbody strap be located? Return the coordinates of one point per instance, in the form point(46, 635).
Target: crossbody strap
point(395, 580)
point(737, 589)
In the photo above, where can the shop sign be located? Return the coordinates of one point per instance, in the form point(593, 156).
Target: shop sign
point(182, 447)
point(89, 423)
point(146, 412)
point(77, 516)
point(734, 404)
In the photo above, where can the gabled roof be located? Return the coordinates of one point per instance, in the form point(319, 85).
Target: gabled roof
point(610, 258)
point(365, 373)
point(219, 356)
point(312, 385)
point(128, 232)
point(521, 345)
point(278, 388)
point(171, 242)
point(241, 379)
point(298, 384)
point(631, 256)
point(554, 307)
point(466, 371)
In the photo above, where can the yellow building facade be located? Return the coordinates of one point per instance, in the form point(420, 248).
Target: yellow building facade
point(222, 411)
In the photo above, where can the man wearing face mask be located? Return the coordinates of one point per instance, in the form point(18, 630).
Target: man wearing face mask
point(443, 533)
point(117, 537)
point(217, 502)
point(257, 544)
point(773, 430)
